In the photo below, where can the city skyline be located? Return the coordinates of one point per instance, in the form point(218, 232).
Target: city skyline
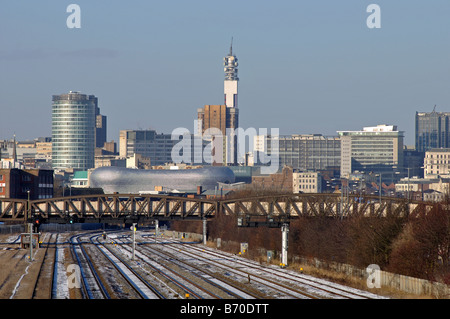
point(304, 67)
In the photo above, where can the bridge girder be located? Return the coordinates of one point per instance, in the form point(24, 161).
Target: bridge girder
point(112, 207)
point(277, 208)
point(286, 207)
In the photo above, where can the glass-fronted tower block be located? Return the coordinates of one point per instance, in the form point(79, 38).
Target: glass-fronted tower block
point(73, 130)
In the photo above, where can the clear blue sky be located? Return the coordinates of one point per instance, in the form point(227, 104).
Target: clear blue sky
point(305, 66)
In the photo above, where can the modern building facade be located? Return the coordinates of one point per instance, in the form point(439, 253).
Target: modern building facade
point(304, 152)
point(100, 129)
point(159, 148)
point(126, 180)
point(413, 162)
point(312, 152)
point(376, 149)
point(148, 143)
point(73, 130)
point(432, 130)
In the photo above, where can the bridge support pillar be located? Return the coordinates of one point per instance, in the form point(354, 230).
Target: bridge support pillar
point(204, 231)
point(284, 244)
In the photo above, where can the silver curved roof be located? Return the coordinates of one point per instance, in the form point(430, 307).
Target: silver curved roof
point(127, 180)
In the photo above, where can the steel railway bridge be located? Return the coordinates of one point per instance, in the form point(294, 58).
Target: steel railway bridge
point(270, 211)
point(250, 210)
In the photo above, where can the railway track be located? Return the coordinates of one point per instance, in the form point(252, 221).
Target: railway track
point(138, 282)
point(43, 287)
point(194, 281)
point(271, 282)
point(88, 279)
point(162, 269)
point(267, 288)
point(310, 286)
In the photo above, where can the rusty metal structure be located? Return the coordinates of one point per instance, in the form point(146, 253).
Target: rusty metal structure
point(251, 211)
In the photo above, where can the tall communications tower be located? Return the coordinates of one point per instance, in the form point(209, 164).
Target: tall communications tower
point(224, 117)
point(231, 79)
point(231, 102)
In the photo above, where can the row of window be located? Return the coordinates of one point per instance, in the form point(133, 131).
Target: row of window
point(307, 181)
point(313, 186)
point(437, 162)
point(66, 105)
point(445, 156)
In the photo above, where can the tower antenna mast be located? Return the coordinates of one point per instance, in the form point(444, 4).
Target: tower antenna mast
point(231, 47)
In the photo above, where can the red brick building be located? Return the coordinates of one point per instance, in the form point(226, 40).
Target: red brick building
point(282, 182)
point(18, 183)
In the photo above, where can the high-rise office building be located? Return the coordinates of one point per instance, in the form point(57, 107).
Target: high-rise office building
point(212, 120)
point(310, 152)
point(148, 143)
point(73, 130)
point(159, 147)
point(305, 152)
point(100, 128)
point(213, 116)
point(432, 130)
point(376, 149)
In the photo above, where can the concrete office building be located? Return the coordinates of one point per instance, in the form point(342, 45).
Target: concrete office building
point(214, 119)
point(74, 127)
point(213, 116)
point(100, 129)
point(148, 143)
point(306, 182)
point(376, 149)
point(437, 163)
point(312, 152)
point(413, 162)
point(432, 130)
point(158, 147)
point(305, 152)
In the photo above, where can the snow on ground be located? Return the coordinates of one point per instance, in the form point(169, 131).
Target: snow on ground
point(291, 277)
point(62, 287)
point(13, 239)
point(271, 272)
